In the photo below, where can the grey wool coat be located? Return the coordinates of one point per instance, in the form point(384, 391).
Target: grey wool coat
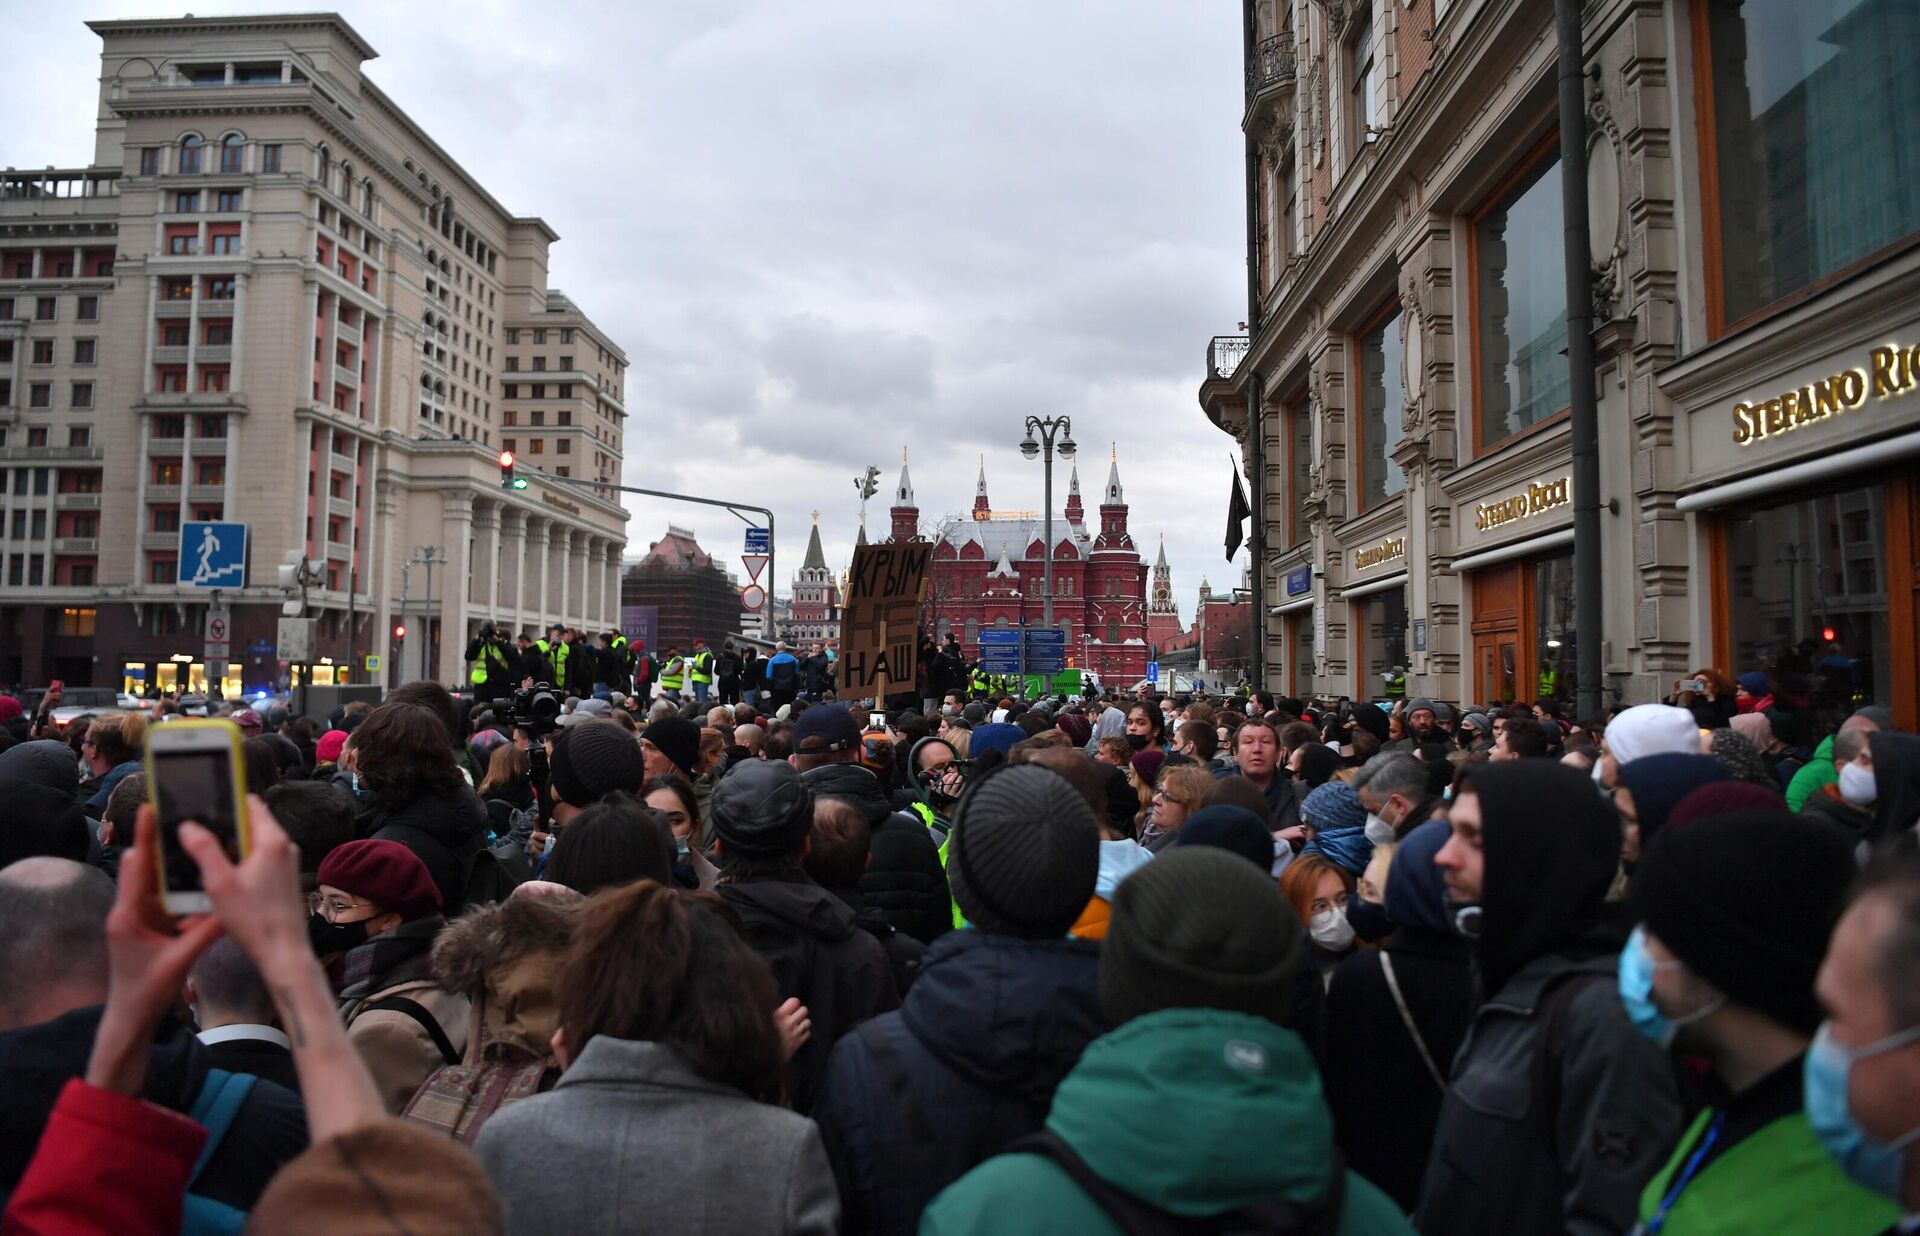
point(633, 1140)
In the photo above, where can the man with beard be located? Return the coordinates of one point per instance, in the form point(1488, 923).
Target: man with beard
point(1423, 727)
point(1557, 1112)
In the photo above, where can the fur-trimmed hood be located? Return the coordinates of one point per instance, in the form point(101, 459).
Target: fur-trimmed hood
point(505, 958)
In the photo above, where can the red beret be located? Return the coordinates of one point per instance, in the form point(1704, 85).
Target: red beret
point(327, 750)
point(385, 873)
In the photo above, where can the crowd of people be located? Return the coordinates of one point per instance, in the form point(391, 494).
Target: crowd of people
point(1121, 964)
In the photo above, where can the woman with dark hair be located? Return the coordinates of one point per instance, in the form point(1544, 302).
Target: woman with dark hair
point(508, 785)
point(1146, 728)
point(675, 800)
point(415, 794)
point(263, 764)
point(616, 841)
point(672, 1065)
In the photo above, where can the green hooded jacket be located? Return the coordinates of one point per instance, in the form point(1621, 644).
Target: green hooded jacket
point(1197, 1111)
point(1815, 775)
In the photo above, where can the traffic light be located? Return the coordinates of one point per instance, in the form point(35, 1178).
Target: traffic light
point(508, 478)
point(399, 630)
point(868, 485)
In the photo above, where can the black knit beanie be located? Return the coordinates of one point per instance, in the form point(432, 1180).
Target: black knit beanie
point(1747, 900)
point(678, 740)
point(592, 760)
point(1198, 927)
point(1024, 853)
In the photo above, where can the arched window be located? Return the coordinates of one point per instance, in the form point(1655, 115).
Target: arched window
point(973, 630)
point(346, 181)
point(366, 197)
point(324, 167)
point(190, 153)
point(233, 153)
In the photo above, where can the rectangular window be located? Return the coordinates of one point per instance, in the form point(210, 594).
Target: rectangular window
point(36, 571)
point(270, 157)
point(513, 364)
point(1360, 64)
point(1380, 395)
point(507, 444)
point(44, 309)
point(211, 427)
point(537, 447)
point(1289, 197)
point(513, 335)
point(539, 335)
point(183, 244)
point(564, 446)
point(173, 335)
point(40, 395)
point(209, 472)
point(176, 289)
point(37, 435)
point(1810, 174)
point(84, 351)
point(1520, 306)
point(228, 243)
point(43, 351)
point(220, 287)
point(6, 394)
point(1381, 623)
point(213, 381)
point(87, 309)
point(539, 390)
point(564, 391)
point(219, 334)
point(228, 200)
point(537, 418)
point(163, 519)
point(166, 472)
point(171, 381)
point(566, 362)
point(79, 435)
point(150, 161)
point(81, 395)
point(186, 203)
point(161, 570)
point(539, 364)
point(6, 308)
point(169, 426)
point(510, 390)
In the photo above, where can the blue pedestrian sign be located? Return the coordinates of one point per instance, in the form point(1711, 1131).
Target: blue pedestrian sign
point(1153, 670)
point(213, 555)
point(757, 541)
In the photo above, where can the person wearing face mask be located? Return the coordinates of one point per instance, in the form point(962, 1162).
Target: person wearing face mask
point(1146, 727)
point(1557, 1112)
point(1847, 802)
point(1395, 789)
point(373, 919)
point(1396, 1015)
point(1862, 1076)
point(1319, 890)
point(1735, 911)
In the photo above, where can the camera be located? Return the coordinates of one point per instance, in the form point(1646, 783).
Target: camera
point(535, 709)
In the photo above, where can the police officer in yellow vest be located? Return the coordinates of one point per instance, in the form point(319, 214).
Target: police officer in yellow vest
point(492, 664)
point(976, 683)
point(1549, 683)
point(700, 670)
point(1396, 677)
point(553, 650)
point(673, 674)
point(622, 666)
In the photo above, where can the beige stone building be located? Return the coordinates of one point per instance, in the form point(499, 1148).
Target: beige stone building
point(1755, 210)
point(272, 299)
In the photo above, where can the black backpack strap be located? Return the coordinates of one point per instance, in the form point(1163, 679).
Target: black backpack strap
point(1269, 1217)
point(1550, 1046)
point(414, 1009)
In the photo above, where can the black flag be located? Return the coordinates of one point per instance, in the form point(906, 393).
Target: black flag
point(1237, 512)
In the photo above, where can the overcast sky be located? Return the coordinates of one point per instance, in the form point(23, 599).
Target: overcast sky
point(825, 231)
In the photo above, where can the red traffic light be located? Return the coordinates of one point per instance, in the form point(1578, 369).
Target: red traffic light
point(1827, 633)
point(506, 459)
point(399, 630)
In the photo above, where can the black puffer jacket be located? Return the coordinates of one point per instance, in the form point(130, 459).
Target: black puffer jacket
point(446, 830)
point(991, 1026)
point(905, 879)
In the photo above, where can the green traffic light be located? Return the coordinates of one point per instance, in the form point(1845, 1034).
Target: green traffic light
point(519, 482)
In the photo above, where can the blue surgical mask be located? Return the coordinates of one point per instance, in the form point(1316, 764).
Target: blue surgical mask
point(1869, 1164)
point(1637, 968)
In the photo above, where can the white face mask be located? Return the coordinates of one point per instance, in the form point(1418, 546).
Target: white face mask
point(1378, 830)
point(1331, 930)
point(1858, 785)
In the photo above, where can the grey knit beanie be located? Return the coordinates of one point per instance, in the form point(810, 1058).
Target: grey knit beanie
point(1024, 853)
point(1198, 927)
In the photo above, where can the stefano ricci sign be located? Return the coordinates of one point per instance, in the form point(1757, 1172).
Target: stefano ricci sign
point(1891, 370)
point(1535, 498)
point(1385, 551)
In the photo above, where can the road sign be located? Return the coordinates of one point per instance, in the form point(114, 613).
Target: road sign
point(213, 555)
point(219, 627)
point(752, 597)
point(758, 542)
point(1000, 650)
point(1153, 670)
point(1046, 650)
point(373, 663)
point(755, 563)
point(261, 648)
point(295, 641)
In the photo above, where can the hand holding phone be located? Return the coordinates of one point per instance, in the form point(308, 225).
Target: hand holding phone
point(195, 773)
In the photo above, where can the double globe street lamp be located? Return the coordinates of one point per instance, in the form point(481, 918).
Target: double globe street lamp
point(1047, 428)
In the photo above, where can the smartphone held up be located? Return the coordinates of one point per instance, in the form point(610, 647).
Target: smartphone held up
point(195, 772)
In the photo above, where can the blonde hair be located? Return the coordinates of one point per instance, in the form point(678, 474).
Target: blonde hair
point(118, 737)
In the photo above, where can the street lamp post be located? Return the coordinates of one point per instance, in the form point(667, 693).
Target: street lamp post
point(1046, 429)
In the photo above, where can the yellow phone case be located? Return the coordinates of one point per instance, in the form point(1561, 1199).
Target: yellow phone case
point(237, 762)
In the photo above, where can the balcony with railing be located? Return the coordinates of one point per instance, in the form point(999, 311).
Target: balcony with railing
point(1224, 354)
point(76, 545)
point(1271, 74)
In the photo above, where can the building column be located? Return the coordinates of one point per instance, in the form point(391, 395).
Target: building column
point(510, 587)
point(614, 551)
point(456, 514)
point(577, 599)
point(560, 545)
point(539, 544)
point(481, 584)
point(595, 583)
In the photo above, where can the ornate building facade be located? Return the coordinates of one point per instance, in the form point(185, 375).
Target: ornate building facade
point(816, 598)
point(989, 567)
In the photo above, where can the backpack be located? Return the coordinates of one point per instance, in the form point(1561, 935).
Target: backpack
point(643, 668)
point(219, 1102)
point(494, 871)
point(457, 1100)
point(801, 967)
point(785, 675)
point(1273, 1216)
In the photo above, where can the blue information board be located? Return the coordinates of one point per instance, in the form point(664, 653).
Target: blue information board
point(1000, 650)
point(1046, 651)
point(1299, 580)
point(757, 541)
point(213, 555)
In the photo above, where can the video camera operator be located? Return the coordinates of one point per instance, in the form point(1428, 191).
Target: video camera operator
point(492, 660)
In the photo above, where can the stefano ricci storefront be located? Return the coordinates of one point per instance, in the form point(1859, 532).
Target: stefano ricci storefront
point(1804, 488)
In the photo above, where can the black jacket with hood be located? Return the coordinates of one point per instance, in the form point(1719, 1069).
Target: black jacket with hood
point(1896, 773)
point(777, 915)
point(1384, 1099)
point(905, 879)
point(447, 831)
point(1558, 1112)
point(982, 1040)
point(269, 1130)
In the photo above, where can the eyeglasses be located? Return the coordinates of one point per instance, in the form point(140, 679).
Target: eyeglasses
point(317, 903)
